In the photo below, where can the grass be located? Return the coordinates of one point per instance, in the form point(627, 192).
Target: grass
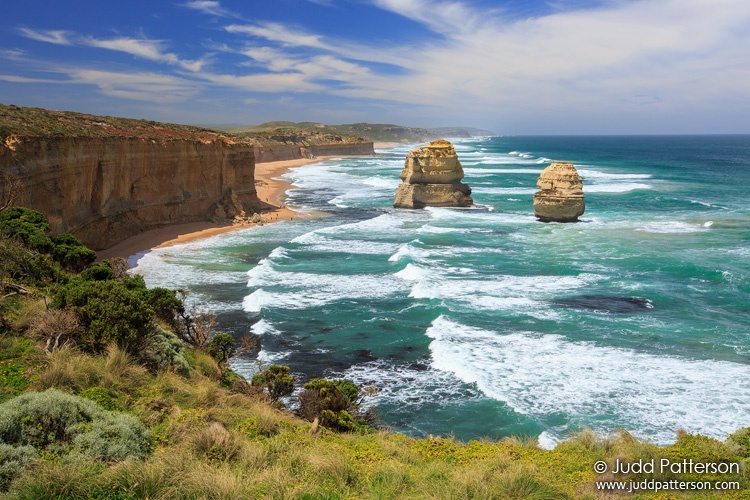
point(211, 442)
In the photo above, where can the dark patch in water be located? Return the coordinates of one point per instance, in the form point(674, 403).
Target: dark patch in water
point(420, 367)
point(606, 303)
point(363, 356)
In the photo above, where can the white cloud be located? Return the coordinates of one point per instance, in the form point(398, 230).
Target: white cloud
point(146, 49)
point(265, 82)
point(152, 87)
point(445, 17)
point(277, 32)
point(209, 7)
point(58, 37)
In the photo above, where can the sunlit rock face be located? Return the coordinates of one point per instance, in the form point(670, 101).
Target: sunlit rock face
point(560, 198)
point(432, 177)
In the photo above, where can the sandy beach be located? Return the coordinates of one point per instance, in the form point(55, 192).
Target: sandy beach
point(271, 190)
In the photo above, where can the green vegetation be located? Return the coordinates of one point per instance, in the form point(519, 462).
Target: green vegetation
point(109, 389)
point(276, 380)
point(16, 120)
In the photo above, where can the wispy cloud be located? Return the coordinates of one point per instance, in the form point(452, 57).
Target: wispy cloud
point(266, 82)
point(58, 37)
point(209, 7)
point(147, 49)
point(152, 87)
point(441, 16)
point(276, 32)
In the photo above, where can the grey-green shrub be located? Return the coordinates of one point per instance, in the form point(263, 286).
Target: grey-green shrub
point(61, 422)
point(163, 350)
point(114, 438)
point(13, 459)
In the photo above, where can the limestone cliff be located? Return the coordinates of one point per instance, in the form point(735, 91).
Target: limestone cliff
point(431, 177)
point(560, 198)
point(296, 145)
point(105, 179)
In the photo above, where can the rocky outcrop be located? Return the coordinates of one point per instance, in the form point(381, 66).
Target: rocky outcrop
point(105, 189)
point(431, 177)
point(560, 198)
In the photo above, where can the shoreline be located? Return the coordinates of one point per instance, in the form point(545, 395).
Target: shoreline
point(269, 188)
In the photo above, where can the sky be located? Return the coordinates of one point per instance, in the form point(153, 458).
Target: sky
point(515, 67)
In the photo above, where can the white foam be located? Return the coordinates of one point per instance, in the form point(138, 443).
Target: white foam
point(256, 301)
point(498, 190)
point(706, 204)
point(407, 386)
point(412, 273)
point(614, 188)
point(673, 227)
point(389, 184)
point(474, 171)
point(602, 387)
point(598, 175)
point(408, 250)
point(263, 327)
point(547, 441)
point(296, 290)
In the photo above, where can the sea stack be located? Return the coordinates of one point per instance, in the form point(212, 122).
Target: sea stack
point(560, 198)
point(432, 177)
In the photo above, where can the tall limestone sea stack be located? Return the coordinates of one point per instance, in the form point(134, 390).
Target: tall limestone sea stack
point(561, 196)
point(432, 177)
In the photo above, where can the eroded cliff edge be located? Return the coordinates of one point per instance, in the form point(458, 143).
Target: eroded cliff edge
point(104, 179)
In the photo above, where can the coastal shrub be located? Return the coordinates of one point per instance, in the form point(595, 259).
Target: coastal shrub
point(220, 347)
point(14, 459)
point(71, 253)
point(101, 271)
point(108, 311)
point(27, 225)
point(276, 380)
point(19, 262)
point(333, 402)
point(739, 442)
point(59, 422)
point(163, 350)
point(167, 306)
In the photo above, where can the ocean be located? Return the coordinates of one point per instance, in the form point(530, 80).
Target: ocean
point(482, 321)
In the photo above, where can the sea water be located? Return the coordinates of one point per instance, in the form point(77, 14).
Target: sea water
point(483, 321)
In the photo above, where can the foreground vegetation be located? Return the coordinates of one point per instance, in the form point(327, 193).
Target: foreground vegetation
point(112, 390)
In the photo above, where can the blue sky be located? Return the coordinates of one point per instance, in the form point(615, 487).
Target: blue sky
point(512, 66)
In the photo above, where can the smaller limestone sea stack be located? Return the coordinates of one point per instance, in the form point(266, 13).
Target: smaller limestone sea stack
point(432, 177)
point(561, 195)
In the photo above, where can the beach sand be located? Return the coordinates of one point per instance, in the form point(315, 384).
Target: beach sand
point(271, 191)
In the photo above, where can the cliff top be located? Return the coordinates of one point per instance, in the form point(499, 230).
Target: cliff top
point(378, 132)
point(47, 123)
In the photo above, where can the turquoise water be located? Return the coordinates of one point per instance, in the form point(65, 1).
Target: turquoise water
point(484, 322)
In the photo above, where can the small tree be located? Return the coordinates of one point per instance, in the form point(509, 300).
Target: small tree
point(71, 253)
point(221, 347)
point(276, 380)
point(27, 225)
point(108, 312)
point(333, 402)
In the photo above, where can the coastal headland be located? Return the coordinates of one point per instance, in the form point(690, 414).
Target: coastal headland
point(105, 179)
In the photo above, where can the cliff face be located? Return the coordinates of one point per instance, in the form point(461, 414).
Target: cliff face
point(292, 147)
point(560, 198)
point(105, 189)
point(431, 177)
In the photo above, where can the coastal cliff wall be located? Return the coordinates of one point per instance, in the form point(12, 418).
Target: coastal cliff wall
point(285, 148)
point(105, 189)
